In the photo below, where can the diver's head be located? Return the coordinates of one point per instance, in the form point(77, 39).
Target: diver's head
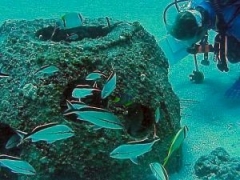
point(188, 26)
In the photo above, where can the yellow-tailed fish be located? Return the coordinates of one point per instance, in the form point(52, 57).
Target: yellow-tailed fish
point(132, 151)
point(82, 92)
point(13, 141)
point(176, 142)
point(109, 87)
point(16, 165)
point(159, 171)
point(2, 74)
point(71, 20)
point(123, 100)
point(157, 115)
point(50, 133)
point(97, 116)
point(74, 105)
point(95, 76)
point(48, 70)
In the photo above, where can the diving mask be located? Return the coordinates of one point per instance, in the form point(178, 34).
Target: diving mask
point(187, 26)
point(197, 15)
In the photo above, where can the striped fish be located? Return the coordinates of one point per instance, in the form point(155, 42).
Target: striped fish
point(48, 70)
point(99, 117)
point(71, 106)
point(83, 92)
point(71, 20)
point(159, 171)
point(94, 76)
point(16, 165)
point(157, 115)
point(132, 151)
point(2, 74)
point(13, 141)
point(109, 87)
point(50, 133)
point(176, 142)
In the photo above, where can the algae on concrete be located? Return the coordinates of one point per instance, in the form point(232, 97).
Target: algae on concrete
point(28, 100)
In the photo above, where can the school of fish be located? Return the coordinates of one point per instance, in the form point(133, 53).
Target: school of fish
point(100, 118)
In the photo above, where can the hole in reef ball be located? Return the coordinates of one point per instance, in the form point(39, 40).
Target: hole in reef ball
point(92, 100)
point(6, 132)
point(138, 120)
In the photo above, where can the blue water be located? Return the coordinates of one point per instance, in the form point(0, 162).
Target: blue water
point(214, 121)
point(149, 13)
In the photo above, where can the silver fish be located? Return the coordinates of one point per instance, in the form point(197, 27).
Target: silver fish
point(50, 133)
point(94, 76)
point(71, 20)
point(176, 142)
point(99, 117)
point(16, 165)
point(75, 106)
point(72, 37)
point(159, 171)
point(48, 69)
point(83, 92)
point(157, 115)
point(132, 151)
point(13, 141)
point(109, 87)
point(2, 74)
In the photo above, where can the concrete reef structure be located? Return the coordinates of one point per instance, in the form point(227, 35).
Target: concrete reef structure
point(29, 99)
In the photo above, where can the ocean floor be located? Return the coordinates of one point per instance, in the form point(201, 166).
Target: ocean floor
point(212, 119)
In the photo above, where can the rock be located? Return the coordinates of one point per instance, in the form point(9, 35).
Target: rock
point(142, 80)
point(29, 91)
point(218, 165)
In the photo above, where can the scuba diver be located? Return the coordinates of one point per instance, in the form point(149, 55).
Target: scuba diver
point(191, 25)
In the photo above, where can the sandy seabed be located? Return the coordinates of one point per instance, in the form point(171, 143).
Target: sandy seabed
point(213, 120)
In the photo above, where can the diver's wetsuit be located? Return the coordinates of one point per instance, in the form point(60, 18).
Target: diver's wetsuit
point(231, 15)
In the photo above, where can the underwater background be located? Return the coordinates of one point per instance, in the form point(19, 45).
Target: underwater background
point(213, 119)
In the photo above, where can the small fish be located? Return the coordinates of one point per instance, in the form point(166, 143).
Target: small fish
point(176, 142)
point(48, 69)
point(123, 100)
point(72, 37)
point(2, 74)
point(109, 87)
point(99, 117)
point(132, 151)
point(157, 115)
point(71, 20)
point(83, 92)
point(13, 141)
point(75, 105)
point(16, 165)
point(50, 133)
point(94, 76)
point(159, 171)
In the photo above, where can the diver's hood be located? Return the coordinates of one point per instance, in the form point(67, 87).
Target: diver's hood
point(199, 19)
point(197, 15)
